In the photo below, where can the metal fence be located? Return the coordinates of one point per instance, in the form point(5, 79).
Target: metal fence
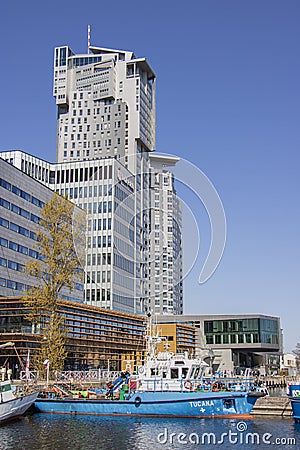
point(75, 375)
point(85, 375)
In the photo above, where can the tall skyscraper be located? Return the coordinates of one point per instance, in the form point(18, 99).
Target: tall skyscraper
point(106, 123)
point(107, 109)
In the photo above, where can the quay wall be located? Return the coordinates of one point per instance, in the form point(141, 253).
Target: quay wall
point(273, 406)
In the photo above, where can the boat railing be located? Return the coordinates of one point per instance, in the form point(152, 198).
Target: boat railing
point(232, 383)
point(169, 384)
point(160, 384)
point(204, 385)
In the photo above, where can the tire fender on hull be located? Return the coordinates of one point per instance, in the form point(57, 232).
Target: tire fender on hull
point(137, 401)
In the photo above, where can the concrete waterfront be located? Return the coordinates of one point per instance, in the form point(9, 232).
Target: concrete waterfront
point(273, 406)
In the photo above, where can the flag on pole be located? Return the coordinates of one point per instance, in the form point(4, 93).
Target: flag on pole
point(27, 373)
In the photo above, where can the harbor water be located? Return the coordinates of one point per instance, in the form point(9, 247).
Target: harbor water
point(55, 432)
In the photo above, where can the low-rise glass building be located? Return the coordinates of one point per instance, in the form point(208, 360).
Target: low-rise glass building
point(254, 330)
point(96, 337)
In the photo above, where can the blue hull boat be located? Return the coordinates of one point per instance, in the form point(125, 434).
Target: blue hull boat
point(167, 385)
point(294, 394)
point(156, 404)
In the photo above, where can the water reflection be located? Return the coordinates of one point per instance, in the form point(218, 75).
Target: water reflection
point(43, 431)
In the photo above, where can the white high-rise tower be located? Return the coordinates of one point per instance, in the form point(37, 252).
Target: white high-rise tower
point(165, 243)
point(106, 105)
point(106, 109)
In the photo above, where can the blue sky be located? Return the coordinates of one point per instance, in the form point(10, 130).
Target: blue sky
point(228, 101)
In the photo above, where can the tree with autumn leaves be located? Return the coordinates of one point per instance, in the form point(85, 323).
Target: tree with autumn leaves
point(61, 245)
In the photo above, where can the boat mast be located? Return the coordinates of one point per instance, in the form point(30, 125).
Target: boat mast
point(151, 337)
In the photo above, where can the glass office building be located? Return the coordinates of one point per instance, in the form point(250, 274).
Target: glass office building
point(242, 331)
point(21, 200)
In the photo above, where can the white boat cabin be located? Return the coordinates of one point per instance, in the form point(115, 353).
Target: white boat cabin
point(168, 371)
point(6, 393)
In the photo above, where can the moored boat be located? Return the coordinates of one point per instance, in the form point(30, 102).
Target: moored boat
point(156, 403)
point(166, 385)
point(294, 395)
point(14, 405)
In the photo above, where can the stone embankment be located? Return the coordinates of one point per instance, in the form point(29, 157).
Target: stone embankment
point(273, 406)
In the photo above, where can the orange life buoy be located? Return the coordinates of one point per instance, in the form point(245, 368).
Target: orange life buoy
point(188, 384)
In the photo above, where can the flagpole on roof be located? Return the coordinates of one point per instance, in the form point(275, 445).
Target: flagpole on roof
point(89, 38)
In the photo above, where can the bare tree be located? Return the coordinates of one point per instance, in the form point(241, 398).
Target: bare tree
point(297, 353)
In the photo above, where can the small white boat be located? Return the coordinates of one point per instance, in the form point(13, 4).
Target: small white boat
point(14, 405)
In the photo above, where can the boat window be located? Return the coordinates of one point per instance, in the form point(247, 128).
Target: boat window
point(164, 374)
point(229, 404)
point(196, 374)
point(174, 372)
point(5, 388)
point(184, 372)
point(154, 371)
point(192, 372)
point(179, 363)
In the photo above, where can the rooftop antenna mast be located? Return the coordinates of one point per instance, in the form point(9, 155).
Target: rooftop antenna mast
point(89, 38)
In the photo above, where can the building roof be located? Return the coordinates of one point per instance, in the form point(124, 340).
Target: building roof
point(103, 50)
point(161, 160)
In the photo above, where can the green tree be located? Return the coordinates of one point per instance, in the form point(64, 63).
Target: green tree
point(57, 268)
